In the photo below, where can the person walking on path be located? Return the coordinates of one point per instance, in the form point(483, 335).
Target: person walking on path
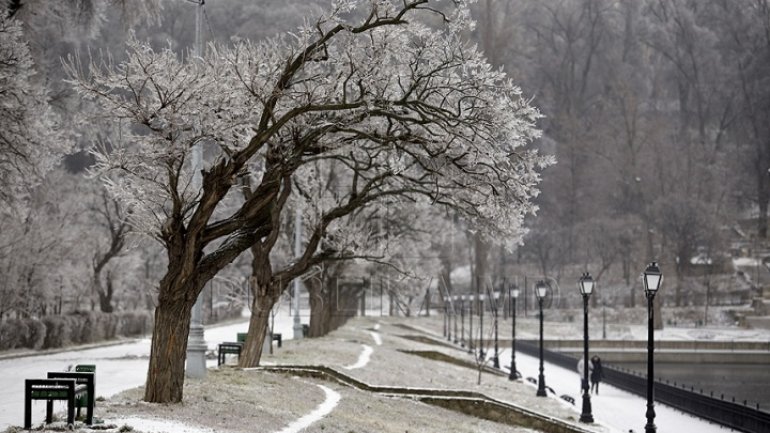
point(580, 368)
point(596, 373)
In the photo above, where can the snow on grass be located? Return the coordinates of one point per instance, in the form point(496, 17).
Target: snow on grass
point(148, 425)
point(376, 337)
point(332, 399)
point(363, 358)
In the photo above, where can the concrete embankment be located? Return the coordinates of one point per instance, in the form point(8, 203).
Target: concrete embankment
point(670, 351)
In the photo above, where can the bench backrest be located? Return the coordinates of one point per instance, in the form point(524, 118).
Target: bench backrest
point(85, 368)
point(79, 377)
point(52, 388)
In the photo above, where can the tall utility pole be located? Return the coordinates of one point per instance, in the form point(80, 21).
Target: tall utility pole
point(196, 345)
point(297, 253)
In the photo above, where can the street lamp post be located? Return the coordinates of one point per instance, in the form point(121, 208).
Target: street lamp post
point(446, 320)
point(195, 366)
point(514, 294)
point(462, 320)
point(480, 304)
point(586, 285)
point(496, 359)
point(541, 290)
point(652, 280)
point(470, 323)
point(454, 314)
point(297, 324)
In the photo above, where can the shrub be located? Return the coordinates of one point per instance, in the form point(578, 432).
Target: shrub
point(37, 333)
point(11, 332)
point(134, 323)
point(55, 330)
point(52, 332)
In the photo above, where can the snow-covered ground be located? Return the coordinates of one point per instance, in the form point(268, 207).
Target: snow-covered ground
point(124, 366)
point(332, 398)
point(118, 367)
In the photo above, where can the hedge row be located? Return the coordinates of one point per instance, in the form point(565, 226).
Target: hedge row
point(80, 328)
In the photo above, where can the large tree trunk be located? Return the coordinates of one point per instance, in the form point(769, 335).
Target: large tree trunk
point(258, 325)
point(105, 296)
point(481, 263)
point(265, 291)
point(320, 309)
point(165, 375)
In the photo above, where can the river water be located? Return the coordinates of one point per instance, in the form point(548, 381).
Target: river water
point(750, 382)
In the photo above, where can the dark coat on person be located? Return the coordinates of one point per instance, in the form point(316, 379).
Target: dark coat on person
point(596, 369)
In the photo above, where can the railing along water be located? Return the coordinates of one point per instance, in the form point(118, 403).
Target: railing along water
point(729, 414)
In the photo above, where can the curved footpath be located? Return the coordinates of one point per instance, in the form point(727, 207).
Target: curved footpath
point(332, 397)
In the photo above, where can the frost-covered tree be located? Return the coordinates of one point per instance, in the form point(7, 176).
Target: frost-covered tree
point(30, 142)
point(110, 228)
point(413, 113)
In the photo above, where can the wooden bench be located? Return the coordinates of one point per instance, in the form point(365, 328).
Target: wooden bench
point(241, 338)
point(82, 401)
point(66, 386)
point(228, 348)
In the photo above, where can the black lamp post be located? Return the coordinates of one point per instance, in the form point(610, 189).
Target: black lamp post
point(470, 323)
point(541, 290)
point(454, 314)
point(496, 358)
point(514, 294)
point(652, 280)
point(586, 285)
point(462, 320)
point(446, 319)
point(480, 304)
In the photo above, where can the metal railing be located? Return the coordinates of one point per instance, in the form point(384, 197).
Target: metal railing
point(733, 415)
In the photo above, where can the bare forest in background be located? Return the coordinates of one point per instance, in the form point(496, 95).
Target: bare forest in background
point(657, 113)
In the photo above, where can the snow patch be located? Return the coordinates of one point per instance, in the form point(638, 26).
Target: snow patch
point(745, 261)
point(332, 399)
point(159, 426)
point(363, 358)
point(376, 337)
